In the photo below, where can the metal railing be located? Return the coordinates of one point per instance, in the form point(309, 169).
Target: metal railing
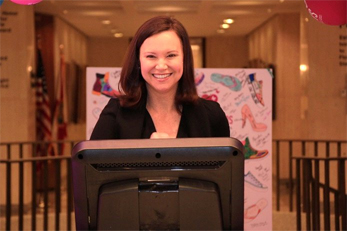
point(42, 184)
point(283, 152)
point(44, 192)
point(308, 181)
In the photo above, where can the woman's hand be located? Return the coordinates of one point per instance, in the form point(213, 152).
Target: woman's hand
point(159, 135)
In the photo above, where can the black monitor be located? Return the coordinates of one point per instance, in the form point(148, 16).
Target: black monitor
point(159, 184)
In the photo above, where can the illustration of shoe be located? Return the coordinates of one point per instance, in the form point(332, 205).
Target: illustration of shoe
point(102, 86)
point(199, 77)
point(247, 114)
point(256, 89)
point(96, 112)
point(253, 181)
point(230, 82)
point(211, 97)
point(254, 210)
point(250, 152)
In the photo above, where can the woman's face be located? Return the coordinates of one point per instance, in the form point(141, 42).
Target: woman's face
point(161, 58)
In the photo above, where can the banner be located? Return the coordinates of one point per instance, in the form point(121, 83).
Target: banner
point(245, 95)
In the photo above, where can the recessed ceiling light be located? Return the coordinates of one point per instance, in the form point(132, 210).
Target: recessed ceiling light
point(225, 26)
point(228, 20)
point(118, 35)
point(220, 31)
point(106, 22)
point(303, 67)
point(281, 1)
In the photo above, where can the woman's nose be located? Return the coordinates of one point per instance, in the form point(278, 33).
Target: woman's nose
point(161, 65)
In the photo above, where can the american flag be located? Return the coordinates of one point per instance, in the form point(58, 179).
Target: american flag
point(43, 111)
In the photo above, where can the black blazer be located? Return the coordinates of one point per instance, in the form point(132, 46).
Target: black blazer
point(205, 119)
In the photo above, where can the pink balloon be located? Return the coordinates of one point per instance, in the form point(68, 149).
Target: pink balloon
point(330, 12)
point(26, 2)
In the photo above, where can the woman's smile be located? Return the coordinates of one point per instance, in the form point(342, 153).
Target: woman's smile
point(161, 76)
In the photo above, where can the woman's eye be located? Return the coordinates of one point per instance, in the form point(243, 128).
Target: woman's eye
point(172, 55)
point(150, 56)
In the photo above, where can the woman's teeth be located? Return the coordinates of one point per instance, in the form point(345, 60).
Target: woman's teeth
point(162, 76)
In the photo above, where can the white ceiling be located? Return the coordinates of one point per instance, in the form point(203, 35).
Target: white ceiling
point(200, 17)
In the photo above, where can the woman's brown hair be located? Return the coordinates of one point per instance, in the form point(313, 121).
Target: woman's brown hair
point(132, 84)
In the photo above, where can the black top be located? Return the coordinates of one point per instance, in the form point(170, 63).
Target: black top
point(205, 119)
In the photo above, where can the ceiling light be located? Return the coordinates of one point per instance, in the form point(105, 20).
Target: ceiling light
point(118, 35)
point(228, 20)
point(303, 67)
point(220, 31)
point(65, 11)
point(281, 1)
point(106, 22)
point(225, 26)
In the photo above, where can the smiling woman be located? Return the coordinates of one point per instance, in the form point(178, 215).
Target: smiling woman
point(158, 94)
point(161, 59)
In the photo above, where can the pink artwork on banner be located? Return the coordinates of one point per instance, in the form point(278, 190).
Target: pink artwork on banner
point(247, 115)
point(254, 210)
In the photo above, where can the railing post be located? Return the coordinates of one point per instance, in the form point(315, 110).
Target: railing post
point(298, 195)
point(339, 149)
point(45, 195)
point(69, 194)
point(290, 176)
point(33, 196)
point(57, 194)
point(315, 150)
point(326, 196)
point(337, 210)
point(278, 176)
point(8, 188)
point(316, 197)
point(327, 148)
point(342, 192)
point(21, 188)
point(306, 186)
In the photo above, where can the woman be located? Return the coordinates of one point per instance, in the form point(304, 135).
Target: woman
point(158, 94)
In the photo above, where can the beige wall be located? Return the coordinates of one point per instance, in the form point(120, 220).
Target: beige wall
point(16, 101)
point(226, 52)
point(325, 117)
point(106, 52)
point(278, 42)
point(17, 114)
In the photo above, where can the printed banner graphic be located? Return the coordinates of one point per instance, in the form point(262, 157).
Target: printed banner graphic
point(245, 95)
